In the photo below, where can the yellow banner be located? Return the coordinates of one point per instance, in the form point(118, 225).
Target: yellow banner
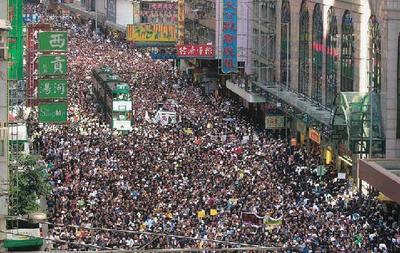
point(151, 33)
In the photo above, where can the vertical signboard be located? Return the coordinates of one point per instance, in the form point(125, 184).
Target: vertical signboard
point(111, 10)
point(52, 89)
point(181, 22)
point(53, 41)
point(15, 41)
point(229, 39)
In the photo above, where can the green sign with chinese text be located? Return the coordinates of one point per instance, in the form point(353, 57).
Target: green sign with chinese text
point(52, 89)
point(53, 113)
point(53, 41)
point(52, 65)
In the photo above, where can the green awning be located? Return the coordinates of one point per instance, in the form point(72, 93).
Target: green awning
point(353, 122)
point(18, 244)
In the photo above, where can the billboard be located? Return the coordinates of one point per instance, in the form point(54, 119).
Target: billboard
point(196, 51)
point(53, 41)
point(158, 12)
point(151, 33)
point(53, 113)
point(181, 22)
point(52, 65)
point(274, 122)
point(52, 89)
point(111, 10)
point(229, 37)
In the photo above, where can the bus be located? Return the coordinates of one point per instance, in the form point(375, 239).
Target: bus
point(114, 97)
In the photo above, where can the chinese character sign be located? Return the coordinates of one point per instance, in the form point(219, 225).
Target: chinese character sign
point(229, 37)
point(52, 89)
point(53, 41)
point(53, 113)
point(181, 22)
point(195, 51)
point(52, 65)
point(151, 33)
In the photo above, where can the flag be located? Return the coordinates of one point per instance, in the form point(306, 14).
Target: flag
point(269, 221)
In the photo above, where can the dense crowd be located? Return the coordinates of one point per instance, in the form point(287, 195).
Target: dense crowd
point(159, 178)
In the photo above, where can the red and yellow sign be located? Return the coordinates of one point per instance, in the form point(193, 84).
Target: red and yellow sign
point(314, 136)
point(151, 33)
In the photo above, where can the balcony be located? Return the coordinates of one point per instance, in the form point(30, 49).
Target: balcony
point(239, 88)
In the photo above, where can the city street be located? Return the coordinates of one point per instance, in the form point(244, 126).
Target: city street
point(205, 178)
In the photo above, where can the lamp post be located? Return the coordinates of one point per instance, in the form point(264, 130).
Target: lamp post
point(371, 90)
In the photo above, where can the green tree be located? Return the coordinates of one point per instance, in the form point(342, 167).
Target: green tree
point(28, 183)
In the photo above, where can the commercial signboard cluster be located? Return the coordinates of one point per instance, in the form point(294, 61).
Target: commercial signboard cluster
point(151, 33)
point(52, 69)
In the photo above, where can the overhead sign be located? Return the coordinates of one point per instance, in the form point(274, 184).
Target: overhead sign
point(196, 51)
point(274, 122)
point(151, 33)
point(52, 64)
point(52, 89)
point(53, 41)
point(53, 113)
point(314, 136)
point(158, 12)
point(229, 37)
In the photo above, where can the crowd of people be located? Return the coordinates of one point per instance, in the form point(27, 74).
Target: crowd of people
point(194, 179)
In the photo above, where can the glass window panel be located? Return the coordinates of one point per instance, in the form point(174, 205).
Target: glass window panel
point(285, 43)
point(303, 49)
point(317, 50)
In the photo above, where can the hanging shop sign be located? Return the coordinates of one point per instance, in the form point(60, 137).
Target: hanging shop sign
point(52, 65)
point(229, 37)
point(314, 136)
point(195, 51)
point(151, 33)
point(181, 22)
point(53, 113)
point(53, 41)
point(274, 122)
point(301, 127)
point(52, 89)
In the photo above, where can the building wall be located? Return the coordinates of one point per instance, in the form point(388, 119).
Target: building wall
point(388, 16)
point(124, 12)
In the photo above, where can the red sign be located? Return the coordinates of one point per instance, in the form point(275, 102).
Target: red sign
point(195, 51)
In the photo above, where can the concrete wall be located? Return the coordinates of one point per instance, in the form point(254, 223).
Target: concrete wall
point(124, 12)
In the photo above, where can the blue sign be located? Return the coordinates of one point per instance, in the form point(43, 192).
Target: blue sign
point(31, 18)
point(162, 56)
point(229, 39)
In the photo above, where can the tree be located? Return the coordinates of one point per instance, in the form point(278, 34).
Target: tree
point(28, 183)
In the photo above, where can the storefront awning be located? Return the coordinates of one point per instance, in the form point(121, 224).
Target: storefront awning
point(352, 121)
point(383, 175)
point(244, 93)
point(302, 103)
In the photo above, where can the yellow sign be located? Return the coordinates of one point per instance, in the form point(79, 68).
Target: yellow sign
point(213, 212)
point(181, 22)
point(151, 33)
point(201, 214)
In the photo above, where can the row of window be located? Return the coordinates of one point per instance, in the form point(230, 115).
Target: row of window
point(342, 58)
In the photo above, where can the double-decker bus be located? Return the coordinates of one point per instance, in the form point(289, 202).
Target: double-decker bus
point(115, 98)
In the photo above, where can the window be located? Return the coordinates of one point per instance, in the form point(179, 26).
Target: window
point(317, 50)
point(374, 54)
point(303, 49)
point(347, 53)
point(398, 90)
point(331, 58)
point(285, 43)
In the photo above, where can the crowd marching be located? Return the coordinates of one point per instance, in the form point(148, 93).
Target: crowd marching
point(212, 176)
